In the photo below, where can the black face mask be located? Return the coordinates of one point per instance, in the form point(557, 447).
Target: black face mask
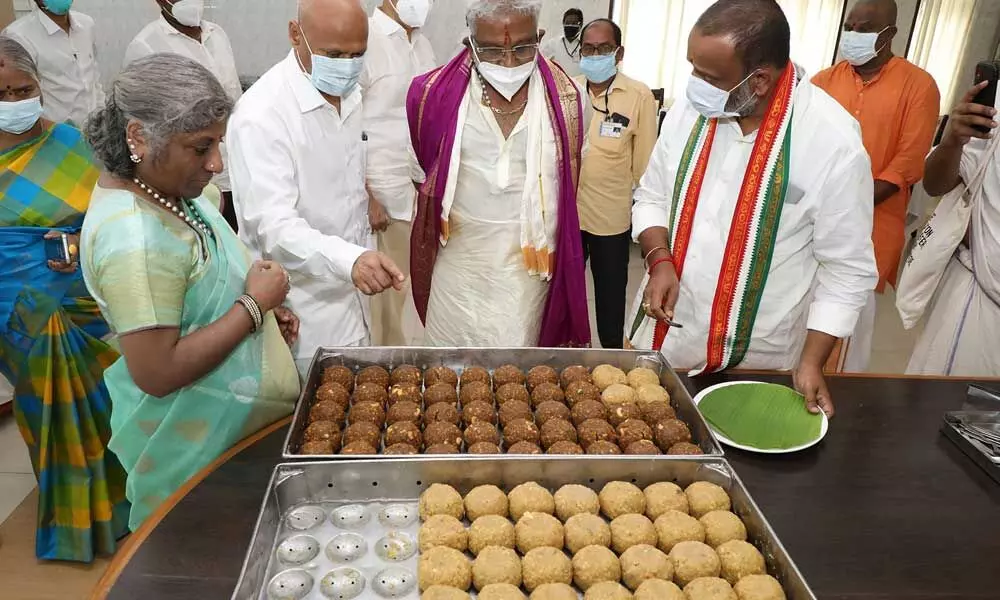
point(571, 31)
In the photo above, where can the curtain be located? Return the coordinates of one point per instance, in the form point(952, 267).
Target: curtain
point(656, 36)
point(939, 40)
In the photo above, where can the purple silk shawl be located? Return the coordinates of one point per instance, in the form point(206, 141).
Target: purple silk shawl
point(432, 106)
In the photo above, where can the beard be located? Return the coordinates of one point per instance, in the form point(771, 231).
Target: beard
point(742, 101)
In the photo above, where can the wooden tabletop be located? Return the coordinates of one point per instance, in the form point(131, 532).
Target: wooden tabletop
point(885, 508)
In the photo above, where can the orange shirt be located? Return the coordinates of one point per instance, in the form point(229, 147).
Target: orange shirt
point(898, 113)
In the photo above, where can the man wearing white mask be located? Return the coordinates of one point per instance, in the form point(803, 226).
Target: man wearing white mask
point(897, 105)
point(62, 43)
point(622, 134)
point(496, 254)
point(397, 52)
point(180, 29)
point(297, 164)
point(755, 213)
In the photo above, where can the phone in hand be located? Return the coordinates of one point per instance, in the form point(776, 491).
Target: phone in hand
point(57, 249)
point(988, 71)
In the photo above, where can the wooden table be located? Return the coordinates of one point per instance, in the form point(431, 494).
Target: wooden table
point(884, 508)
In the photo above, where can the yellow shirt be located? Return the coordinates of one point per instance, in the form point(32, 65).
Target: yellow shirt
point(613, 165)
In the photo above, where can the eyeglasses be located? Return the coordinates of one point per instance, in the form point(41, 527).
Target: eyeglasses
point(602, 50)
point(521, 54)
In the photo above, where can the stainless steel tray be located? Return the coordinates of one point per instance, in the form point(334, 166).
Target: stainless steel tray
point(973, 448)
point(402, 479)
point(492, 358)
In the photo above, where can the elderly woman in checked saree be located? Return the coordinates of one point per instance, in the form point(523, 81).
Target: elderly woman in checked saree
point(200, 328)
point(50, 329)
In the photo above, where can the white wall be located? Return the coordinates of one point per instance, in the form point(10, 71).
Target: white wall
point(258, 29)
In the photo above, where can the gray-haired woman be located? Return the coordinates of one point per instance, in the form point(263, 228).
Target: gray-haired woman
point(201, 328)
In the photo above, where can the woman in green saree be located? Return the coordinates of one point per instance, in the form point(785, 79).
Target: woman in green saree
point(51, 332)
point(203, 335)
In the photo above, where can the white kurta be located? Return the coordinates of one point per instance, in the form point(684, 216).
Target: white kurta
point(963, 322)
point(481, 292)
point(391, 63)
point(298, 174)
point(563, 52)
point(213, 52)
point(823, 267)
point(67, 63)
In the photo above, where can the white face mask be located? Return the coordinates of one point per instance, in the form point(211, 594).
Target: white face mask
point(413, 13)
point(711, 101)
point(188, 12)
point(505, 80)
point(859, 48)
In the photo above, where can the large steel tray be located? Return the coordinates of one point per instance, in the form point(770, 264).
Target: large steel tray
point(953, 428)
point(491, 358)
point(403, 479)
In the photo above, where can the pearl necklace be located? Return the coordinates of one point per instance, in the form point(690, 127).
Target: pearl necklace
point(178, 209)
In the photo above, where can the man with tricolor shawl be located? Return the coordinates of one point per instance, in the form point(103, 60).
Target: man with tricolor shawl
point(755, 213)
point(496, 257)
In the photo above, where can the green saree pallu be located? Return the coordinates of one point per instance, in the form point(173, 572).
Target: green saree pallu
point(148, 269)
point(51, 349)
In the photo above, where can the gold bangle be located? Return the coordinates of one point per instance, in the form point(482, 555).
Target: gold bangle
point(645, 259)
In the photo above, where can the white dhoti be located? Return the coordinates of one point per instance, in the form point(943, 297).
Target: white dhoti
point(963, 327)
point(499, 188)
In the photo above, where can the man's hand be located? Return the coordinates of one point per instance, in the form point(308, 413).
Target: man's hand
point(809, 381)
point(661, 292)
point(378, 218)
point(288, 324)
point(808, 376)
point(966, 116)
point(374, 272)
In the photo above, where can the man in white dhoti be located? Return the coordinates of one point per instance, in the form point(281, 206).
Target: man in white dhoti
point(496, 253)
point(755, 213)
point(397, 52)
point(963, 323)
point(297, 165)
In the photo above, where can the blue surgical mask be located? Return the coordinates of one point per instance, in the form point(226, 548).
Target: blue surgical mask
point(18, 117)
point(57, 7)
point(600, 68)
point(858, 48)
point(711, 101)
point(334, 76)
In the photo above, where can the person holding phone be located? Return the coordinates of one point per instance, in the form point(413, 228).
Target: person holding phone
point(203, 331)
point(897, 105)
point(51, 332)
point(963, 318)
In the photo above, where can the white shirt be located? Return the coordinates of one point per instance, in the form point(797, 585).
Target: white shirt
point(67, 63)
point(213, 52)
point(563, 52)
point(391, 63)
point(481, 293)
point(298, 174)
point(823, 266)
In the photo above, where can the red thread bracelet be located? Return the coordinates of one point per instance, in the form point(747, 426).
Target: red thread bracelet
point(657, 262)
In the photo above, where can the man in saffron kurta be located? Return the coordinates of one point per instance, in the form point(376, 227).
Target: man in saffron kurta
point(754, 213)
point(897, 105)
point(496, 257)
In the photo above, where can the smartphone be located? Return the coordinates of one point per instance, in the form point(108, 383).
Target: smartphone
point(987, 71)
point(57, 249)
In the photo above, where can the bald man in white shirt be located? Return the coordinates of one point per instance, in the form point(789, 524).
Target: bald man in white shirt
point(297, 164)
point(61, 42)
point(180, 29)
point(397, 52)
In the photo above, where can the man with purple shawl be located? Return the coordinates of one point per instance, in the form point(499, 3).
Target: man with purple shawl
point(496, 257)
